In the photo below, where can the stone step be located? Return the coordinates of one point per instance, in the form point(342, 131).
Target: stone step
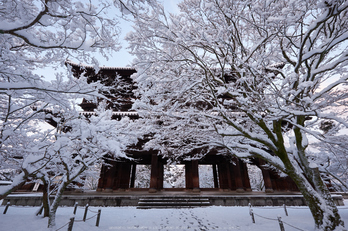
point(159, 203)
point(172, 202)
point(174, 199)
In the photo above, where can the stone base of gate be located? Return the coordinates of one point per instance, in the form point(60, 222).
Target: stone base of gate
point(131, 198)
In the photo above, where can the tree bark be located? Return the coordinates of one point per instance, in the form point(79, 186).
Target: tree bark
point(55, 204)
point(319, 200)
point(308, 181)
point(45, 199)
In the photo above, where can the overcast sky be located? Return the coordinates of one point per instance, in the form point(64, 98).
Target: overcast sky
point(123, 58)
point(117, 59)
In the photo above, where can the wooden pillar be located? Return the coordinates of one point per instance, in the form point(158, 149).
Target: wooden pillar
point(124, 175)
point(160, 174)
point(245, 176)
point(280, 183)
point(154, 173)
point(188, 175)
point(216, 183)
point(134, 168)
point(291, 184)
point(195, 175)
point(238, 176)
point(110, 177)
point(191, 175)
point(224, 176)
point(232, 169)
point(266, 178)
point(117, 176)
point(101, 178)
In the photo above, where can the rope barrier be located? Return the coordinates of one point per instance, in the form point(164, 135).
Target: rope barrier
point(92, 211)
point(267, 208)
point(86, 218)
point(293, 226)
point(63, 226)
point(266, 217)
point(92, 217)
point(277, 220)
point(251, 212)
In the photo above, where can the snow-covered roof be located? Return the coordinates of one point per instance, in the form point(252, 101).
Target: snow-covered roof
point(117, 113)
point(101, 68)
point(5, 182)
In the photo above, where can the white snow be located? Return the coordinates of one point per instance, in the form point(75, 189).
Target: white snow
point(20, 218)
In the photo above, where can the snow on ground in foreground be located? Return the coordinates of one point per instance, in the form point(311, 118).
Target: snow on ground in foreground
point(129, 218)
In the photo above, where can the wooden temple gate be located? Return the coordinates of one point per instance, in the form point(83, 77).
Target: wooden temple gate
point(229, 173)
point(233, 175)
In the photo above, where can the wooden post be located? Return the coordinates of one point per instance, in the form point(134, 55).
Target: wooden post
point(98, 218)
point(71, 223)
point(39, 212)
point(85, 214)
point(252, 215)
point(286, 211)
point(6, 208)
point(281, 225)
point(75, 208)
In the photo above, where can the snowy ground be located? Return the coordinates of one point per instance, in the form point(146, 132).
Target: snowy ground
point(129, 218)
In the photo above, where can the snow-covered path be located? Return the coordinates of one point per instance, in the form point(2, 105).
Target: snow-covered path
point(129, 218)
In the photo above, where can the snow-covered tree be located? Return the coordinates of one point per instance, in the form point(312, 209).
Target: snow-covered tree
point(39, 33)
point(33, 35)
point(332, 157)
point(251, 78)
point(84, 145)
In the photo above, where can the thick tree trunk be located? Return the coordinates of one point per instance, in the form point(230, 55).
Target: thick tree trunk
point(55, 204)
point(309, 181)
point(319, 201)
point(45, 200)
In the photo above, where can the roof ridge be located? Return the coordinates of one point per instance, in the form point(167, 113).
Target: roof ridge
point(101, 68)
